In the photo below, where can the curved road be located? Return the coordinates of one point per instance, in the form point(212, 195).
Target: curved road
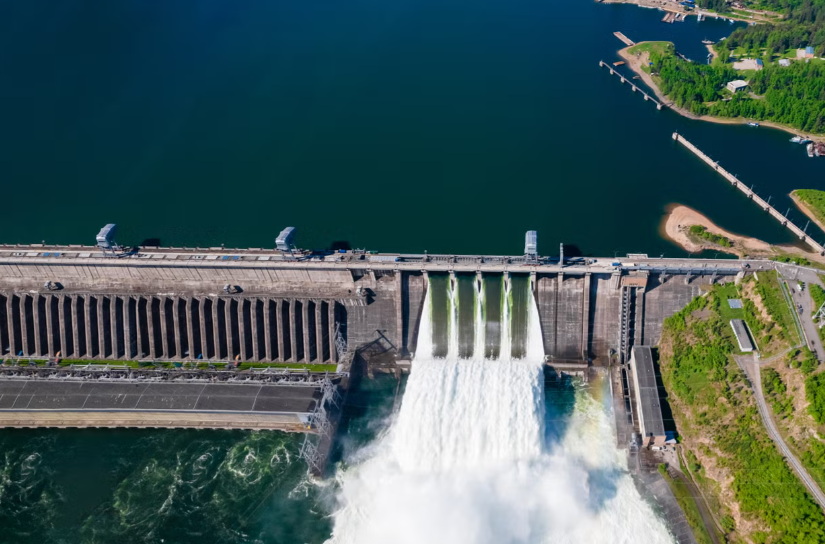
point(751, 368)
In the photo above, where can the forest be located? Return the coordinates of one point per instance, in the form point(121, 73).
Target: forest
point(804, 25)
point(793, 95)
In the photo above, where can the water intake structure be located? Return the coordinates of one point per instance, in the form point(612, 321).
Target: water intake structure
point(477, 453)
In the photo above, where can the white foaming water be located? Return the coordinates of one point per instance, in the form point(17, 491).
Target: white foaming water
point(466, 461)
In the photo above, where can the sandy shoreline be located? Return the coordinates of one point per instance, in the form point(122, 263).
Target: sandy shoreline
point(635, 63)
point(806, 210)
point(679, 219)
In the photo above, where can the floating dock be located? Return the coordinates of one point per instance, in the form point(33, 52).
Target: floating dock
point(627, 41)
point(783, 219)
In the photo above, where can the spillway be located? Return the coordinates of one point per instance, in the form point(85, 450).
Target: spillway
point(477, 453)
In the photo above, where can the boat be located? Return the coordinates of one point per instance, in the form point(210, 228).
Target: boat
point(752, 124)
point(707, 42)
point(816, 149)
point(797, 139)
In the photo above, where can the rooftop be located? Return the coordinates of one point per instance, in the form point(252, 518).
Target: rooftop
point(647, 392)
point(741, 333)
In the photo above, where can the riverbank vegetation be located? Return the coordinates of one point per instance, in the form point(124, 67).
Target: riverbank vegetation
point(184, 365)
point(717, 419)
point(813, 200)
point(701, 232)
point(687, 502)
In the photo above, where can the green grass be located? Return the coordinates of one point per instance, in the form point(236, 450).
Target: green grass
point(181, 364)
point(702, 232)
point(770, 289)
point(648, 47)
point(814, 200)
point(726, 292)
point(688, 505)
point(817, 294)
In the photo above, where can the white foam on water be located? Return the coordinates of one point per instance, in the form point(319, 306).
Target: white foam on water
point(465, 460)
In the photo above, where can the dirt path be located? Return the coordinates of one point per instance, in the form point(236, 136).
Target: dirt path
point(635, 62)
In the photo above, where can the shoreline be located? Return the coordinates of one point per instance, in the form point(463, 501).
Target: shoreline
point(657, 4)
point(804, 208)
point(635, 63)
point(679, 218)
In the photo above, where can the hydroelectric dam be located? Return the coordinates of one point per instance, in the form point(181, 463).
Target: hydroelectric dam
point(105, 336)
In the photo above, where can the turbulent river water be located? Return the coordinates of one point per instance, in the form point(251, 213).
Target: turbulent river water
point(478, 454)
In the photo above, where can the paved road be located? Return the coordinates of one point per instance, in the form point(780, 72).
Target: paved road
point(751, 368)
point(803, 298)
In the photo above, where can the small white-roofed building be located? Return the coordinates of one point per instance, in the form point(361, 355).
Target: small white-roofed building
point(740, 331)
point(737, 86)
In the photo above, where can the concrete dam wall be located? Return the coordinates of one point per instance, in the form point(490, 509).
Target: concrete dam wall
point(173, 306)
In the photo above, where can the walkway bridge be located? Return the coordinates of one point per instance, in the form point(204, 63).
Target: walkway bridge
point(633, 87)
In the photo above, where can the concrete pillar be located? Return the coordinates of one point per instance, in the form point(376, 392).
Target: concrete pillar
point(150, 321)
point(138, 330)
point(75, 327)
point(242, 327)
point(13, 347)
point(253, 314)
point(26, 348)
point(64, 306)
point(399, 312)
point(87, 321)
point(293, 356)
point(305, 325)
point(114, 327)
point(319, 334)
point(279, 314)
point(230, 353)
point(128, 351)
point(268, 329)
point(640, 317)
point(176, 326)
point(164, 337)
point(190, 329)
point(586, 317)
point(101, 329)
point(333, 354)
point(49, 299)
point(204, 340)
point(216, 329)
point(36, 312)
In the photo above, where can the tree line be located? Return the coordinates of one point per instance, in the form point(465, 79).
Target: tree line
point(793, 95)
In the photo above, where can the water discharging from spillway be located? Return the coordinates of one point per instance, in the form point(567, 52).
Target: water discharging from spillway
point(477, 454)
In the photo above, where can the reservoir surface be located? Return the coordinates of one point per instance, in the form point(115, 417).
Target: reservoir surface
point(438, 125)
point(445, 126)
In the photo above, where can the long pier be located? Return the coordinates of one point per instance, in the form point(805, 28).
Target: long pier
point(633, 87)
point(752, 195)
